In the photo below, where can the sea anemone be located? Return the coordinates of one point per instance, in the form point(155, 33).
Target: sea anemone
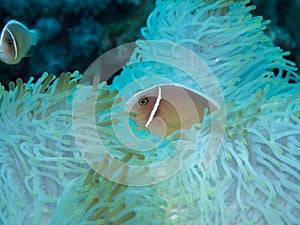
point(92, 199)
point(254, 178)
point(42, 169)
point(39, 156)
point(239, 166)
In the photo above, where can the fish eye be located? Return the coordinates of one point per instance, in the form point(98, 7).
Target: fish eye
point(143, 101)
point(9, 43)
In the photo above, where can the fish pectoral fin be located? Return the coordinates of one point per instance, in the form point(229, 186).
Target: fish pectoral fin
point(158, 127)
point(184, 124)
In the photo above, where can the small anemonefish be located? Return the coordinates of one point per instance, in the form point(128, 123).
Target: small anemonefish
point(164, 109)
point(15, 41)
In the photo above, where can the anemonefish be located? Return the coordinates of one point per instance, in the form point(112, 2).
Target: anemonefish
point(164, 109)
point(15, 42)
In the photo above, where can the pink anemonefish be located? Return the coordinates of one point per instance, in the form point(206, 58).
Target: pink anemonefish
point(164, 109)
point(15, 42)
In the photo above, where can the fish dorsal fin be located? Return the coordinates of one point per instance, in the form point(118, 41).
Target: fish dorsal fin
point(14, 42)
point(155, 107)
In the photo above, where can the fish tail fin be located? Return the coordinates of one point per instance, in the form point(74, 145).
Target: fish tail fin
point(35, 34)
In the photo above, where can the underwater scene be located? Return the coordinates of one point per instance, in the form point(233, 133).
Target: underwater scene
point(149, 112)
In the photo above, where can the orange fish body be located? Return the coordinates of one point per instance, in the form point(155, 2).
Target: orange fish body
point(15, 42)
point(166, 108)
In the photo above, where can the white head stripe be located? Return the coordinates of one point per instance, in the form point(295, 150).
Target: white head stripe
point(155, 107)
point(1, 38)
point(14, 41)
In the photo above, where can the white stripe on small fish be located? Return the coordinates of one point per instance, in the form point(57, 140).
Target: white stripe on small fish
point(14, 41)
point(155, 107)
